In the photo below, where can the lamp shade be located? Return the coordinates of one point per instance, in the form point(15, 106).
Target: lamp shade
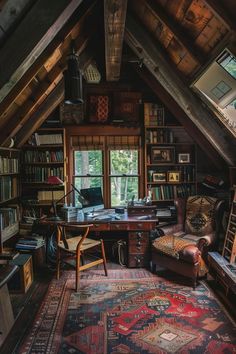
point(73, 81)
point(54, 180)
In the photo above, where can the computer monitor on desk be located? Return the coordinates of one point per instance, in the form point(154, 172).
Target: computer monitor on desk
point(93, 199)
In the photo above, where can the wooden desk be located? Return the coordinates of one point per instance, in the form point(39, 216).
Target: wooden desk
point(136, 230)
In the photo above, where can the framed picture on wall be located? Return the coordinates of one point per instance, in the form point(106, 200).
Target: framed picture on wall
point(98, 108)
point(173, 176)
point(163, 155)
point(159, 177)
point(184, 158)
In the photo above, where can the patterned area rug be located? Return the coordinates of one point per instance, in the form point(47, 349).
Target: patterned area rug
point(131, 311)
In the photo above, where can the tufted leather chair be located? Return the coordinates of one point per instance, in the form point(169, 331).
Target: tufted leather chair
point(184, 246)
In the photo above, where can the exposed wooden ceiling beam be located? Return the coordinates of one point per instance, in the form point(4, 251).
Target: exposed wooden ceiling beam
point(82, 14)
point(114, 24)
point(42, 22)
point(177, 31)
point(182, 117)
point(15, 123)
point(37, 119)
point(143, 46)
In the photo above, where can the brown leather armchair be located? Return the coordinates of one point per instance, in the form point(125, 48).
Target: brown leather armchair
point(184, 246)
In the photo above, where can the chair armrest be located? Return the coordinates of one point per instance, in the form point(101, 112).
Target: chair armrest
point(205, 241)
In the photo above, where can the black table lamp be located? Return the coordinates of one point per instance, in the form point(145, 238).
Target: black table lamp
point(54, 181)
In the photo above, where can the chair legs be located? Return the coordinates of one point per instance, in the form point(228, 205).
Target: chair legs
point(80, 265)
point(104, 258)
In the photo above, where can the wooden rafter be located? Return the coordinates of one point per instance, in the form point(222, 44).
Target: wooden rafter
point(177, 31)
point(114, 23)
point(17, 59)
point(182, 117)
point(145, 48)
point(39, 94)
point(37, 119)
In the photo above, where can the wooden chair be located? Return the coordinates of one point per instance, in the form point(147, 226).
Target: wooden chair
point(71, 247)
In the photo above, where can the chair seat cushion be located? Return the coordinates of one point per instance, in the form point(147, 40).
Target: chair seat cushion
point(73, 242)
point(178, 247)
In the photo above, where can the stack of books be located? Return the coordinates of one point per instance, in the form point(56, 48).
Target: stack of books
point(31, 243)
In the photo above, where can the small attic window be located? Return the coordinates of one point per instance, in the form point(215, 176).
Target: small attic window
point(217, 85)
point(228, 62)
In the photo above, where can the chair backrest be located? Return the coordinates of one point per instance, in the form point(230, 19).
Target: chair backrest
point(200, 215)
point(80, 230)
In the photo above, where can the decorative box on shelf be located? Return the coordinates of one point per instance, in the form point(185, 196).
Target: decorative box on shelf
point(138, 210)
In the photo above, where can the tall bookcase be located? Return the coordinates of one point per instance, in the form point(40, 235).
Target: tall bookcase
point(9, 192)
point(170, 156)
point(43, 156)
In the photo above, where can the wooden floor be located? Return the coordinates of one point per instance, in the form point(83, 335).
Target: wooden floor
point(25, 307)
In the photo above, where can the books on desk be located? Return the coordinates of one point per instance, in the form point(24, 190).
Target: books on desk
point(29, 243)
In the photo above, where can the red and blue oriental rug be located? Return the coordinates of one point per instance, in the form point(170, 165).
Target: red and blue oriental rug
point(131, 311)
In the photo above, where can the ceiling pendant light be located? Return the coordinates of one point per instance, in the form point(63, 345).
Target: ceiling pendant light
point(73, 80)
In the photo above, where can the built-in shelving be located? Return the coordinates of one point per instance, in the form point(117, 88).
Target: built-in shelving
point(170, 156)
point(43, 156)
point(9, 192)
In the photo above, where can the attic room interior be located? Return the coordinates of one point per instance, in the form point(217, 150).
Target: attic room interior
point(117, 176)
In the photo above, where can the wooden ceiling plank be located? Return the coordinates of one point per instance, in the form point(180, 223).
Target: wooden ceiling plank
point(56, 43)
point(221, 13)
point(14, 123)
point(37, 119)
point(48, 20)
point(177, 31)
point(114, 24)
point(143, 46)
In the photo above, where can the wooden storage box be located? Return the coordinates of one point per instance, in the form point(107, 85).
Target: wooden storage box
point(139, 210)
point(22, 280)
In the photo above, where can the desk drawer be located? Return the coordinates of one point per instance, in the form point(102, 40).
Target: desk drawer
point(100, 227)
point(140, 225)
point(137, 260)
point(139, 236)
point(118, 226)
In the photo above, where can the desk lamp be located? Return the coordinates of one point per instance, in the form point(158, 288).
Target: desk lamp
point(54, 181)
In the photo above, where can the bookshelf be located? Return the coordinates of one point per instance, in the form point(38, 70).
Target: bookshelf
point(9, 192)
point(170, 156)
point(43, 156)
point(229, 248)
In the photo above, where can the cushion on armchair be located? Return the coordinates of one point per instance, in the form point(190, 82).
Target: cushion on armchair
point(200, 215)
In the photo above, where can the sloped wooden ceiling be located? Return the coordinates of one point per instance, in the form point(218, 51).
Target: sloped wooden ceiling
point(174, 40)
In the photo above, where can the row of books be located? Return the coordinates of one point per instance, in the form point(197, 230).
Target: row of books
point(48, 139)
point(32, 156)
point(172, 192)
point(159, 136)
point(9, 165)
point(9, 187)
point(154, 114)
point(29, 243)
point(47, 195)
point(8, 216)
point(41, 174)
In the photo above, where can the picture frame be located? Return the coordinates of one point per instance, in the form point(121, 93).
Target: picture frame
point(163, 155)
point(184, 158)
point(98, 108)
point(173, 176)
point(159, 177)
